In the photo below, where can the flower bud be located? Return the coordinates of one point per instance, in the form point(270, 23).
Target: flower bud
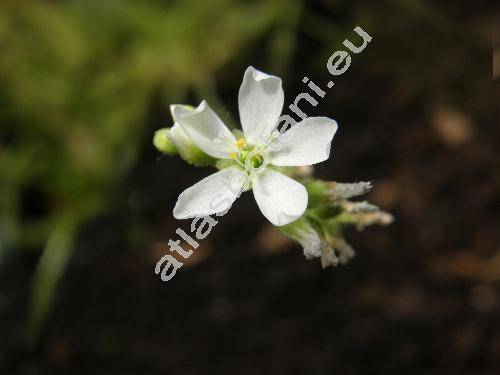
point(302, 231)
point(378, 217)
point(163, 143)
point(337, 251)
point(331, 249)
point(324, 192)
point(187, 149)
point(357, 207)
point(339, 190)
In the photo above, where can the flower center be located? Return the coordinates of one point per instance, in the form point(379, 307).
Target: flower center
point(256, 160)
point(251, 158)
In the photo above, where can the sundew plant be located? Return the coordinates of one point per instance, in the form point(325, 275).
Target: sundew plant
point(272, 157)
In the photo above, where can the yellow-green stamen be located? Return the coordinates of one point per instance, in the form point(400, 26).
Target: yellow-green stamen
point(241, 143)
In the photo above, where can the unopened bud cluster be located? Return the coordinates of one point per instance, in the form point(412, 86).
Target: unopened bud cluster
point(319, 230)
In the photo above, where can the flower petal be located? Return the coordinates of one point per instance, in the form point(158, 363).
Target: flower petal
point(205, 129)
point(178, 137)
point(260, 102)
point(280, 198)
point(214, 194)
point(306, 143)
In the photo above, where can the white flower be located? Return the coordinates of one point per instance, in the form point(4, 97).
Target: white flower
point(280, 198)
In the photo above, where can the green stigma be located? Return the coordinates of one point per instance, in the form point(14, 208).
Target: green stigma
point(248, 158)
point(256, 161)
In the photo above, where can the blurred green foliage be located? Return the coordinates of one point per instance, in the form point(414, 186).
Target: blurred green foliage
point(76, 79)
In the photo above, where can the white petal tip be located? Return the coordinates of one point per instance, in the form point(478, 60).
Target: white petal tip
point(285, 220)
point(258, 75)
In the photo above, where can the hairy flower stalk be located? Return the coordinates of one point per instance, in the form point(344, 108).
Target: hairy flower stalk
point(276, 166)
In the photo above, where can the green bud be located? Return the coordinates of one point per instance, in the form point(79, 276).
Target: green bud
point(187, 149)
point(163, 143)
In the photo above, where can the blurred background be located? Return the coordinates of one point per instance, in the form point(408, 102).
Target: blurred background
point(86, 201)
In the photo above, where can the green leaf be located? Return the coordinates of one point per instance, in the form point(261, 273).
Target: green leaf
point(49, 270)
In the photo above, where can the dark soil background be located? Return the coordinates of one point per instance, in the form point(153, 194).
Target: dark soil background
point(416, 116)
